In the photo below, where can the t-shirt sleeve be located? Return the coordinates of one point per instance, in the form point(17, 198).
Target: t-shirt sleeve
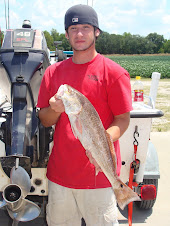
point(44, 91)
point(119, 95)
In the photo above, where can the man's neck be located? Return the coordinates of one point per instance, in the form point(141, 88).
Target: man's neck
point(82, 57)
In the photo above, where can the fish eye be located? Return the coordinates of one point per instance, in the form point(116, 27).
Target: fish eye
point(121, 185)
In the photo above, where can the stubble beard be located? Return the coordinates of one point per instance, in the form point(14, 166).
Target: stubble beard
point(86, 48)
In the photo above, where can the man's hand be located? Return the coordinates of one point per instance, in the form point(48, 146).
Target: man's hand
point(93, 161)
point(50, 115)
point(56, 104)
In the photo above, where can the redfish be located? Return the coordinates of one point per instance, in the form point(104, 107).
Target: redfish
point(88, 128)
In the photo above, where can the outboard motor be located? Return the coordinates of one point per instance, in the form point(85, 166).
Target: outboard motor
point(24, 56)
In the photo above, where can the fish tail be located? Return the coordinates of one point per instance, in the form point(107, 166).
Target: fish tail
point(125, 195)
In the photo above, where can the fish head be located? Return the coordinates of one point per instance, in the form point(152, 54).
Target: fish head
point(70, 98)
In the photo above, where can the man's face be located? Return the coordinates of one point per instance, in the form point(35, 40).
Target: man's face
point(82, 36)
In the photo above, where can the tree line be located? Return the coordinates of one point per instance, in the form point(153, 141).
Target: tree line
point(114, 43)
point(117, 44)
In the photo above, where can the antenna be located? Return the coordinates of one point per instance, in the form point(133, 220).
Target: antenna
point(0, 37)
point(8, 16)
point(91, 3)
point(5, 13)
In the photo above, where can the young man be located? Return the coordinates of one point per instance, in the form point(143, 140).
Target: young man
point(74, 189)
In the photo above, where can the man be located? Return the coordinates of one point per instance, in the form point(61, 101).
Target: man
point(74, 189)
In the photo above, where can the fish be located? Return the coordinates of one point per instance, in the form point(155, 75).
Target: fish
point(88, 128)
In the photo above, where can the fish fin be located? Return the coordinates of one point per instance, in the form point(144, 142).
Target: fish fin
point(78, 124)
point(93, 162)
point(96, 171)
point(112, 150)
point(125, 195)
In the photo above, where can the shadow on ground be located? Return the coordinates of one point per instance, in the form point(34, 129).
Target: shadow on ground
point(139, 215)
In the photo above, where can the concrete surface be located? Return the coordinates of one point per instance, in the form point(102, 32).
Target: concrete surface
point(159, 215)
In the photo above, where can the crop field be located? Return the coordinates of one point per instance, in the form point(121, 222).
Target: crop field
point(144, 65)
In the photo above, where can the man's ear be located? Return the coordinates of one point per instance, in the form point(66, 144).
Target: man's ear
point(97, 33)
point(66, 35)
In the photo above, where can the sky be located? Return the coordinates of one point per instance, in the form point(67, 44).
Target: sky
point(138, 17)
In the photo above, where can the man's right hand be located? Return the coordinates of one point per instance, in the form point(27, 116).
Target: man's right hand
point(50, 115)
point(56, 104)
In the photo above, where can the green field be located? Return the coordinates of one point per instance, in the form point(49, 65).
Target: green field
point(144, 65)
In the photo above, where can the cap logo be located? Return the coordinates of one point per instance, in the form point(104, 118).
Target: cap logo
point(75, 20)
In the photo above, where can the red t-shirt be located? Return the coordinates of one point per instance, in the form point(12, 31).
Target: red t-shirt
point(107, 86)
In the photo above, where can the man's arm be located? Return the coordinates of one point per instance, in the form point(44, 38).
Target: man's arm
point(119, 126)
point(50, 115)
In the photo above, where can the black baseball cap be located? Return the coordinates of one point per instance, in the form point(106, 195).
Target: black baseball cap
point(81, 14)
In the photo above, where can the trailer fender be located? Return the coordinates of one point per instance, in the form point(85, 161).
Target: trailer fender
point(152, 163)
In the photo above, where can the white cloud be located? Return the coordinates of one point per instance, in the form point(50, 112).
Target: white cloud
point(40, 8)
point(153, 13)
point(14, 20)
point(166, 19)
point(132, 12)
